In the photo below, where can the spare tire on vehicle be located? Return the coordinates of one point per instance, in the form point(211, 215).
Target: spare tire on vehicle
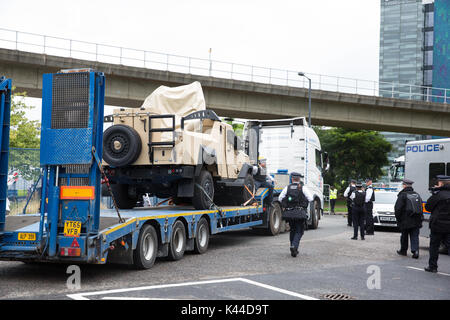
point(121, 145)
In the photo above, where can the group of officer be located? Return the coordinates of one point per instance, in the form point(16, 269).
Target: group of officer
point(295, 198)
point(409, 215)
point(360, 208)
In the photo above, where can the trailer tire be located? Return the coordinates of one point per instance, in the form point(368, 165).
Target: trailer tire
point(201, 236)
point(200, 201)
point(177, 244)
point(275, 219)
point(147, 248)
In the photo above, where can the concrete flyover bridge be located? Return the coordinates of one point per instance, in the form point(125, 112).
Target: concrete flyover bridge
point(233, 90)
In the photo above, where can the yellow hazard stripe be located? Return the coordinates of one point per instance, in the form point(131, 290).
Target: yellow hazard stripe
point(133, 220)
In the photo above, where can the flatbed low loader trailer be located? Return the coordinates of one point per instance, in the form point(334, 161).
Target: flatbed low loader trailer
point(70, 227)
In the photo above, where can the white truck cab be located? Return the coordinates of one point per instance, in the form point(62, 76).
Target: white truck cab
point(289, 145)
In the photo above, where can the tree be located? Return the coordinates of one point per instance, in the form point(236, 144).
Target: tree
point(356, 154)
point(24, 135)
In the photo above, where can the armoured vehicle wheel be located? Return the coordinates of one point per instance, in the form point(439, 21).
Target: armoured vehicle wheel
point(121, 145)
point(177, 244)
point(147, 247)
point(201, 201)
point(243, 195)
point(123, 200)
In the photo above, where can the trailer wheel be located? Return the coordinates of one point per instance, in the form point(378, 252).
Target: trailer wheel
point(147, 247)
point(200, 201)
point(275, 219)
point(201, 236)
point(177, 244)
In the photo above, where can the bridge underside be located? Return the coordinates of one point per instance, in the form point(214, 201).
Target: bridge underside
point(128, 87)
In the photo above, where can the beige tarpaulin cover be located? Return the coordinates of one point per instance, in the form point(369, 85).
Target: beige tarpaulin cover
point(181, 101)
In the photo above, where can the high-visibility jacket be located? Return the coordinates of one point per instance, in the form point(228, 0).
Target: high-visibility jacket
point(333, 194)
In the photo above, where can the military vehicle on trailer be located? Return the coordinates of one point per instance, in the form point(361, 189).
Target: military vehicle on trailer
point(173, 147)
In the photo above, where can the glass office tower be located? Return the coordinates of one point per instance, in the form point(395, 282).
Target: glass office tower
point(401, 48)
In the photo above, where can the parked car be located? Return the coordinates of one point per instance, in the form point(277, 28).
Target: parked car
point(383, 208)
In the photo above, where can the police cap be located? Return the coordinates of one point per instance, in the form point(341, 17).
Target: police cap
point(407, 182)
point(296, 175)
point(443, 178)
point(359, 184)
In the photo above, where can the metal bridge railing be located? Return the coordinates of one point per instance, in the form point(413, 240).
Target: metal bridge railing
point(37, 43)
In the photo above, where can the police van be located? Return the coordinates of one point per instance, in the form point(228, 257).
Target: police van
point(424, 160)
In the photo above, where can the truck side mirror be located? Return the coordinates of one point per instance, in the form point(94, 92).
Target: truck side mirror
point(326, 162)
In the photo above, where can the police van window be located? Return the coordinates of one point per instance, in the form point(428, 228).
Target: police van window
point(435, 169)
point(448, 169)
point(318, 159)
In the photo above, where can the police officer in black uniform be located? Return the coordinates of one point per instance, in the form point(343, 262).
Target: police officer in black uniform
point(358, 198)
point(439, 206)
point(295, 199)
point(347, 194)
point(408, 222)
point(370, 198)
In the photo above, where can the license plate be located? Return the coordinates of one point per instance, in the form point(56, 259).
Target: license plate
point(72, 228)
point(26, 236)
point(387, 219)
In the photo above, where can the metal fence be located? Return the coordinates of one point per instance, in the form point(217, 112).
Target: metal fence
point(24, 183)
point(37, 43)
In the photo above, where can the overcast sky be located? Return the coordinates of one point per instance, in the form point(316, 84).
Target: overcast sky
point(317, 36)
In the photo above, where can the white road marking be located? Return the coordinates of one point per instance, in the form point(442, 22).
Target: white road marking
point(441, 273)
point(83, 296)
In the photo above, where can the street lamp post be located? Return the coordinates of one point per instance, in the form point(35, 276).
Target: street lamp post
point(302, 74)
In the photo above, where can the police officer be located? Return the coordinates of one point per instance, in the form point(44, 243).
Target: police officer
point(262, 179)
point(439, 206)
point(408, 222)
point(347, 193)
point(295, 199)
point(358, 198)
point(333, 197)
point(370, 198)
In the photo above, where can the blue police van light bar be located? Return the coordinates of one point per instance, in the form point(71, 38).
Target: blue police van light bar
point(282, 171)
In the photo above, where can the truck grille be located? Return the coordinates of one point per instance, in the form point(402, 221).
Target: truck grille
point(70, 100)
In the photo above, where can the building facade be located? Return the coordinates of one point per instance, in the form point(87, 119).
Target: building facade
point(414, 50)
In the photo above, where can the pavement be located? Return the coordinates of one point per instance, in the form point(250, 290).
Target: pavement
point(246, 265)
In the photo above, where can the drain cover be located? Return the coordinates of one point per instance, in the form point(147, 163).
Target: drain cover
point(337, 296)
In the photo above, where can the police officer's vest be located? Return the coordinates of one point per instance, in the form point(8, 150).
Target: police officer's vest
point(295, 197)
point(360, 198)
point(261, 175)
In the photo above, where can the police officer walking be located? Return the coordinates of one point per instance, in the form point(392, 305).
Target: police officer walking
point(347, 193)
point(295, 199)
point(409, 216)
point(370, 198)
point(439, 206)
point(358, 197)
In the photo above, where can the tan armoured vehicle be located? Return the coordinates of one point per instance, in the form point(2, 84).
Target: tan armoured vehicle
point(173, 147)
